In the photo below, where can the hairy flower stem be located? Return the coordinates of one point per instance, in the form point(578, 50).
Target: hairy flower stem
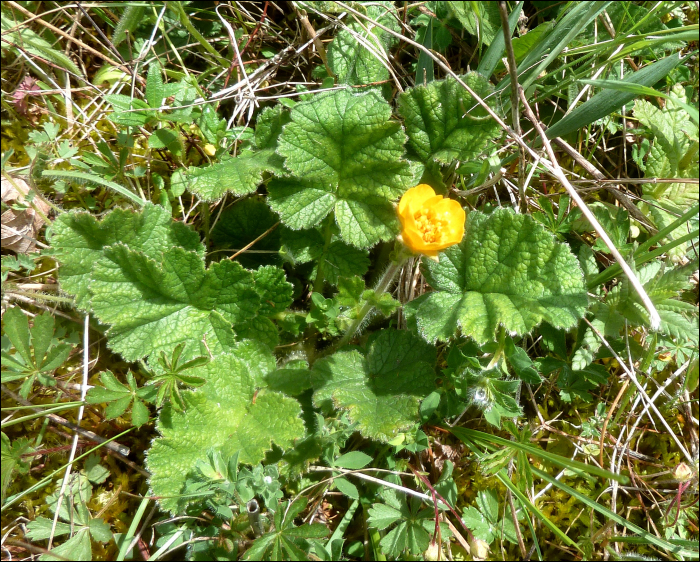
point(382, 286)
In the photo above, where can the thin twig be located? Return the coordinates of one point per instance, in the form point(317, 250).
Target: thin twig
point(81, 410)
point(654, 318)
point(643, 395)
point(244, 248)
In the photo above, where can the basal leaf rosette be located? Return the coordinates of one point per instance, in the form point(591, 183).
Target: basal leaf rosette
point(224, 414)
point(344, 154)
point(382, 389)
point(444, 122)
point(429, 223)
point(508, 271)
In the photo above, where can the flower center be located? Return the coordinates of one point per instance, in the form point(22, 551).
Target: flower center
point(431, 226)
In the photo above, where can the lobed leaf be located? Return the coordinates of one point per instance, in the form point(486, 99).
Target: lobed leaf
point(381, 390)
point(508, 271)
point(225, 414)
point(153, 305)
point(78, 241)
point(444, 122)
point(344, 153)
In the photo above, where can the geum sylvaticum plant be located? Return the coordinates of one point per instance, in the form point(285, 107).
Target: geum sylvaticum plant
point(340, 164)
point(267, 334)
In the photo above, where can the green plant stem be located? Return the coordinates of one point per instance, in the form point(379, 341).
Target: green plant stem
point(185, 20)
point(382, 286)
point(126, 540)
point(327, 236)
point(501, 347)
point(205, 219)
point(43, 297)
point(29, 417)
point(374, 539)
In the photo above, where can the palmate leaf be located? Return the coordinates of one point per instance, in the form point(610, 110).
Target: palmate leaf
point(241, 174)
point(344, 153)
point(382, 389)
point(225, 414)
point(508, 271)
point(349, 56)
point(152, 287)
point(444, 122)
point(153, 305)
point(78, 240)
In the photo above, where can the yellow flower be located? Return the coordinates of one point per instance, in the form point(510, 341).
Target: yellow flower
point(430, 222)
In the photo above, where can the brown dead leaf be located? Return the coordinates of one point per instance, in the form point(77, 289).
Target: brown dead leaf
point(20, 228)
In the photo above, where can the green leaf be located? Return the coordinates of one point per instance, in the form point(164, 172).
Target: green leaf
point(242, 174)
point(40, 529)
point(521, 363)
point(382, 516)
point(414, 528)
point(350, 155)
point(493, 55)
point(99, 530)
point(154, 86)
point(12, 458)
point(84, 178)
point(139, 413)
point(608, 101)
point(640, 90)
point(154, 304)
point(20, 34)
point(349, 54)
point(353, 460)
point(382, 390)
point(274, 290)
point(131, 18)
point(127, 111)
point(225, 414)
point(480, 19)
point(165, 138)
point(78, 241)
point(95, 472)
point(508, 271)
point(347, 487)
point(16, 328)
point(673, 154)
point(77, 548)
point(343, 261)
point(443, 121)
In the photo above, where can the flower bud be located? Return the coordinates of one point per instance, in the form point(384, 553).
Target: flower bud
point(479, 549)
point(682, 472)
point(434, 552)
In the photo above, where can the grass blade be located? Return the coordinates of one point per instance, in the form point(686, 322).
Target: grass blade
point(580, 468)
point(607, 101)
point(610, 515)
point(493, 54)
point(82, 177)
